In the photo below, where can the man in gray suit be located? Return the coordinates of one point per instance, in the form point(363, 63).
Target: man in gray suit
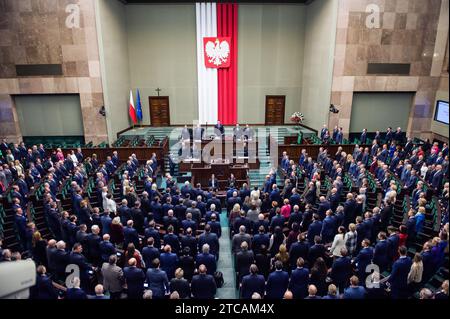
point(113, 279)
point(238, 239)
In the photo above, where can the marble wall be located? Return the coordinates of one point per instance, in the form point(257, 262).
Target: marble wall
point(35, 32)
point(410, 31)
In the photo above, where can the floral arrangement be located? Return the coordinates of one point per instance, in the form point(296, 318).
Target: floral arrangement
point(297, 117)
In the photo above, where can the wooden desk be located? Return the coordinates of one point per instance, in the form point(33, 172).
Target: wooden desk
point(222, 171)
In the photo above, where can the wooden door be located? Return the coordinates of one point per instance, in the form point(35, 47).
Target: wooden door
point(275, 105)
point(159, 110)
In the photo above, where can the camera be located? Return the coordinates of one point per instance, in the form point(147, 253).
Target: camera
point(16, 278)
point(333, 109)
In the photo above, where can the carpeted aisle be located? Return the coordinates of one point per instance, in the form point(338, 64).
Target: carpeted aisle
point(225, 263)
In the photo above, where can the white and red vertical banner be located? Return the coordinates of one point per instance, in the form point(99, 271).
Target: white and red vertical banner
point(217, 34)
point(206, 18)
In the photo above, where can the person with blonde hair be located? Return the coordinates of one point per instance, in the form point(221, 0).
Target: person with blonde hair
point(415, 274)
point(180, 285)
point(443, 292)
point(282, 256)
point(332, 293)
point(39, 248)
point(235, 212)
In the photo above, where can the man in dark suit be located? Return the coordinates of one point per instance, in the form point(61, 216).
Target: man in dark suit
point(349, 210)
point(77, 258)
point(220, 128)
point(315, 228)
point(239, 221)
point(252, 283)
point(213, 182)
point(211, 239)
point(207, 259)
point(277, 221)
point(398, 279)
point(381, 252)
point(364, 259)
point(235, 199)
point(436, 181)
point(169, 261)
point(363, 137)
point(341, 270)
point(260, 239)
point(317, 250)
point(299, 280)
point(171, 239)
point(134, 278)
point(244, 258)
point(76, 293)
point(93, 245)
point(150, 253)
point(130, 235)
point(60, 259)
point(152, 231)
point(299, 249)
point(20, 222)
point(106, 248)
point(339, 136)
point(323, 132)
point(203, 286)
point(324, 205)
point(215, 225)
point(389, 135)
point(188, 240)
point(44, 289)
point(277, 283)
point(328, 227)
point(157, 280)
point(214, 200)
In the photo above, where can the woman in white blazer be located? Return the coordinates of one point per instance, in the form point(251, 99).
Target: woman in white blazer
point(338, 243)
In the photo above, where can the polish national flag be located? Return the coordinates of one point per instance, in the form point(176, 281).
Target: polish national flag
point(132, 109)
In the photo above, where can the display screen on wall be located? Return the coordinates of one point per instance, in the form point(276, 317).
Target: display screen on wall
point(441, 114)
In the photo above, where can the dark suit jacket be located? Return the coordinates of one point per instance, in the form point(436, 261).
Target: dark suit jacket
point(399, 275)
point(212, 240)
point(251, 284)
point(341, 271)
point(158, 282)
point(106, 249)
point(169, 262)
point(181, 286)
point(149, 254)
point(381, 255)
point(130, 236)
point(75, 294)
point(44, 288)
point(299, 282)
point(134, 278)
point(314, 230)
point(243, 261)
point(191, 242)
point(208, 260)
point(173, 241)
point(277, 284)
point(203, 286)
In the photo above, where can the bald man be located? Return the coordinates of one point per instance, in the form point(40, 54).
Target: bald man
point(203, 285)
point(134, 278)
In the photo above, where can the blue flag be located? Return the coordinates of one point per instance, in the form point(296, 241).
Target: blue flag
point(138, 107)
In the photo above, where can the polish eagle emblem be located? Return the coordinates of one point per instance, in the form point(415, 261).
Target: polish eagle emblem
point(217, 52)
